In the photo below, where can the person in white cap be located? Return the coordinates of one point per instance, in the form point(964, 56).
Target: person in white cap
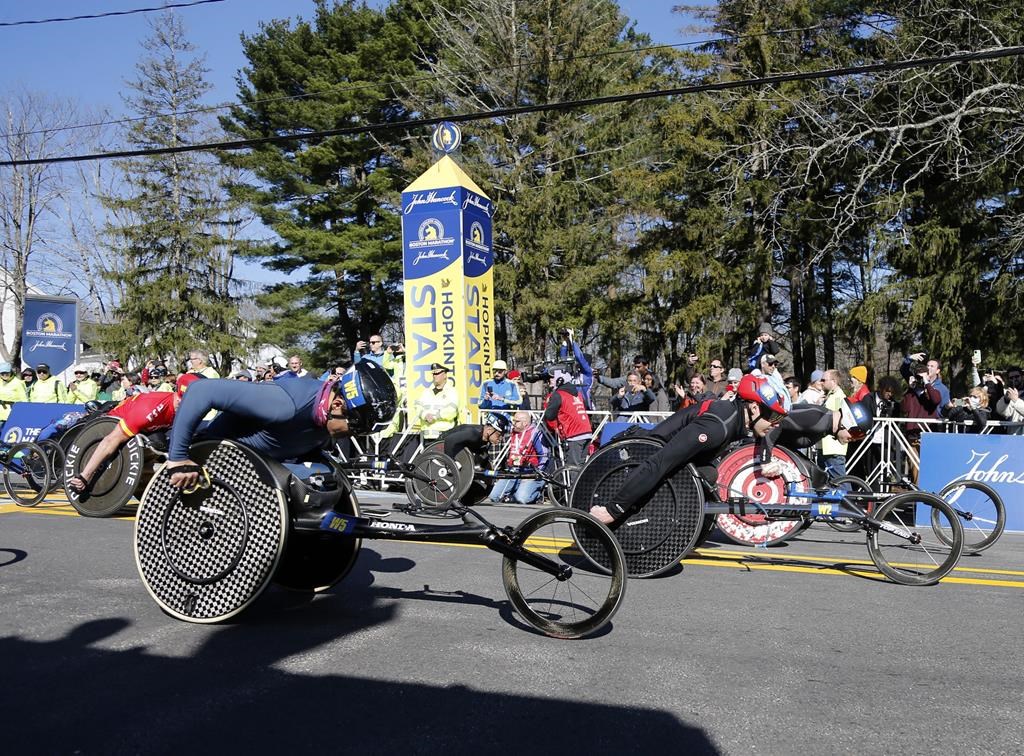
point(12, 390)
point(499, 392)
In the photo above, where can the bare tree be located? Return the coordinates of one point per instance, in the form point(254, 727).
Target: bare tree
point(29, 198)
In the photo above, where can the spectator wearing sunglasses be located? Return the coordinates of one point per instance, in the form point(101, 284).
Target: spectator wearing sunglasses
point(370, 350)
point(499, 392)
point(47, 389)
point(716, 382)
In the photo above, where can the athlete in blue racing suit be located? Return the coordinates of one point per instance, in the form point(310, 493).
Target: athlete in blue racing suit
point(280, 420)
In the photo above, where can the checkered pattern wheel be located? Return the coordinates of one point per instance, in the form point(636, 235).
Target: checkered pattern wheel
point(205, 556)
point(656, 538)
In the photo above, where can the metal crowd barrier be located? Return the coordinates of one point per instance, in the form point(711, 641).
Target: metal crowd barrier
point(896, 459)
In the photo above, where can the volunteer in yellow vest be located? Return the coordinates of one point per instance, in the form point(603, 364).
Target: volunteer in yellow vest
point(11, 390)
point(83, 389)
point(48, 389)
point(436, 409)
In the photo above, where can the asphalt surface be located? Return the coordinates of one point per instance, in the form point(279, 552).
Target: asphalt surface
point(768, 651)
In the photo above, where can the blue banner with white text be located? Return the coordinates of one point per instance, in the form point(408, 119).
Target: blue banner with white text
point(995, 460)
point(27, 419)
point(49, 332)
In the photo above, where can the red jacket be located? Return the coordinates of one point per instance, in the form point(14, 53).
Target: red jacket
point(566, 414)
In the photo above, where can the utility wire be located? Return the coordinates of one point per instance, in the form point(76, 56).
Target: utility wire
point(899, 65)
point(108, 14)
point(417, 79)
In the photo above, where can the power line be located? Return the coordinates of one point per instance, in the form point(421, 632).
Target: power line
point(416, 79)
point(108, 14)
point(930, 62)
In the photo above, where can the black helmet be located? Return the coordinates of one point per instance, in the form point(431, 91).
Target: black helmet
point(499, 422)
point(370, 397)
point(158, 372)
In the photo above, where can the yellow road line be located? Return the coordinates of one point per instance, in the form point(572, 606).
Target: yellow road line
point(833, 560)
point(744, 560)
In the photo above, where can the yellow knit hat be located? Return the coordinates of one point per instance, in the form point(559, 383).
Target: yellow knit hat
point(860, 373)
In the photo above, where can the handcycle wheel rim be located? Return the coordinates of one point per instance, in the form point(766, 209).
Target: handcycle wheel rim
point(545, 614)
point(16, 457)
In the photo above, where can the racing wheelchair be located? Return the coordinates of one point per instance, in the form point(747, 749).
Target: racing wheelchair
point(207, 553)
point(913, 538)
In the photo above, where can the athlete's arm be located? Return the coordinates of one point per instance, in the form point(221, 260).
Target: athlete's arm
point(105, 449)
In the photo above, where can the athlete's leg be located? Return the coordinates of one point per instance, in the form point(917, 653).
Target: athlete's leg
point(694, 440)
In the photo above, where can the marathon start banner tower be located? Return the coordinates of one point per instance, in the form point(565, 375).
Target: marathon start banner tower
point(449, 276)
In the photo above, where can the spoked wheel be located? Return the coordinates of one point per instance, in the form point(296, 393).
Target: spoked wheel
point(589, 590)
point(907, 548)
point(55, 458)
point(862, 497)
point(557, 489)
point(981, 512)
point(27, 474)
point(435, 495)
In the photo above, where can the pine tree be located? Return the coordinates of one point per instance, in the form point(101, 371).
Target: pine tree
point(332, 202)
point(562, 181)
point(173, 222)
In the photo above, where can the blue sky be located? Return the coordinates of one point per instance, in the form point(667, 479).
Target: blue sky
point(88, 61)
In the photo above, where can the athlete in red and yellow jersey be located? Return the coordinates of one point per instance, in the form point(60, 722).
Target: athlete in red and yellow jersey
point(141, 413)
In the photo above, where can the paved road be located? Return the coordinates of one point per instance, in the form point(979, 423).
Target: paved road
point(742, 651)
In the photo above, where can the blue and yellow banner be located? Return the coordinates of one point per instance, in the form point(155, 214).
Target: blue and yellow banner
point(448, 261)
point(49, 332)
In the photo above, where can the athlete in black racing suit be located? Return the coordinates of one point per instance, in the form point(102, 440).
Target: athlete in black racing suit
point(696, 434)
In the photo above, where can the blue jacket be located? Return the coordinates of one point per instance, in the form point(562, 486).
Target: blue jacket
point(506, 394)
point(275, 419)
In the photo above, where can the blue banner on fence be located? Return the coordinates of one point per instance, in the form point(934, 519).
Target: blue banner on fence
point(28, 418)
point(49, 332)
point(995, 460)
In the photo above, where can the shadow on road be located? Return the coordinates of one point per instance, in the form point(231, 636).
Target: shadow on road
point(96, 690)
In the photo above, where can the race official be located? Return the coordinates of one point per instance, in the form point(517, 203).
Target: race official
point(83, 389)
point(436, 408)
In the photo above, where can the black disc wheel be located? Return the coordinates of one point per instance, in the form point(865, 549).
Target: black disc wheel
point(581, 580)
point(906, 547)
point(27, 474)
point(981, 511)
point(658, 536)
point(465, 464)
point(316, 561)
point(115, 481)
point(860, 497)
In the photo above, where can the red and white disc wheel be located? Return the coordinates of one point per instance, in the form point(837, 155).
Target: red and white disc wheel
point(739, 476)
